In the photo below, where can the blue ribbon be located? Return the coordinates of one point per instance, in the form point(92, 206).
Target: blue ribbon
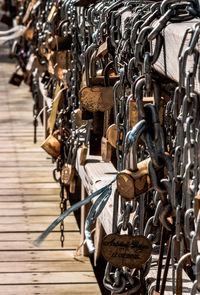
point(71, 209)
point(93, 214)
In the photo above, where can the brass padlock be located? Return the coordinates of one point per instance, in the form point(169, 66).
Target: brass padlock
point(131, 184)
point(112, 134)
point(102, 50)
point(84, 147)
point(72, 186)
point(67, 174)
point(106, 149)
point(133, 113)
point(52, 146)
point(83, 154)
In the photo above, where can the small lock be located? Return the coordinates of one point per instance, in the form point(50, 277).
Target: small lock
point(112, 134)
point(133, 111)
point(16, 79)
point(72, 186)
point(67, 174)
point(84, 147)
point(131, 184)
point(83, 154)
point(106, 149)
point(52, 146)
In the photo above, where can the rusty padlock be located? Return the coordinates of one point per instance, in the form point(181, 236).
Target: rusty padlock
point(131, 183)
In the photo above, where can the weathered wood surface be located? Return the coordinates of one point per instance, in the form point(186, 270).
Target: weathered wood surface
point(173, 36)
point(29, 202)
point(94, 175)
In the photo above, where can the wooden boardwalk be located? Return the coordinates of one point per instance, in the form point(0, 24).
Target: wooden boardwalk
point(29, 202)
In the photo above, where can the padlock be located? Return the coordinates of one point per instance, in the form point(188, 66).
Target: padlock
point(133, 113)
point(52, 146)
point(102, 50)
point(72, 186)
point(16, 79)
point(106, 149)
point(67, 174)
point(84, 147)
point(131, 184)
point(83, 154)
point(112, 134)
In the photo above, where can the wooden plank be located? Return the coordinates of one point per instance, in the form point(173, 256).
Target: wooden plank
point(58, 289)
point(33, 185)
point(47, 245)
point(28, 191)
point(37, 227)
point(11, 149)
point(32, 180)
point(95, 175)
point(30, 236)
point(30, 198)
point(28, 169)
point(24, 158)
point(39, 255)
point(32, 219)
point(24, 163)
point(173, 38)
point(29, 205)
point(34, 211)
point(25, 176)
point(44, 266)
point(47, 278)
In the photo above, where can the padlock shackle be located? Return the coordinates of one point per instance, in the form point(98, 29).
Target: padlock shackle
point(87, 61)
point(139, 87)
point(131, 140)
